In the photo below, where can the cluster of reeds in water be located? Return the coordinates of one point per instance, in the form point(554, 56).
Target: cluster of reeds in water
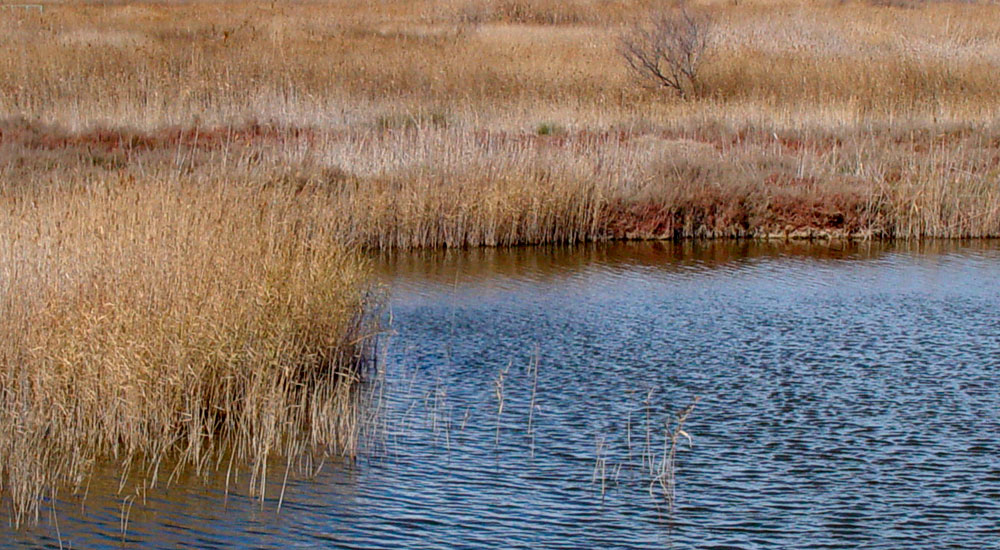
point(641, 452)
point(170, 322)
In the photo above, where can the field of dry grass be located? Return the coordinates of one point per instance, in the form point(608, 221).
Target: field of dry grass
point(204, 323)
point(184, 186)
point(470, 122)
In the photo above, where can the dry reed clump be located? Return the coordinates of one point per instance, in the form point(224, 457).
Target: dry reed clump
point(162, 320)
point(471, 207)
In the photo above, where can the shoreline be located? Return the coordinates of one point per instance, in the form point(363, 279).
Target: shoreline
point(460, 187)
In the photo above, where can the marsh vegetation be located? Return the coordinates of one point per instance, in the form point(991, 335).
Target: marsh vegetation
point(169, 321)
point(465, 122)
point(186, 190)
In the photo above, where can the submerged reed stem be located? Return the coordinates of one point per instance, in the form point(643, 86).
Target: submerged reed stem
point(664, 473)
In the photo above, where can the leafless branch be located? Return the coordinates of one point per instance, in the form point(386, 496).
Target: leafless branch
point(667, 50)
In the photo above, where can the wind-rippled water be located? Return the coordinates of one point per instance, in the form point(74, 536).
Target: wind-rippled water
point(849, 398)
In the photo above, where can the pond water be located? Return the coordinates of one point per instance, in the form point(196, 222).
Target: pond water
point(848, 399)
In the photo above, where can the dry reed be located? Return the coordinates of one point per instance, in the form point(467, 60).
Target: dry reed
point(169, 320)
point(664, 474)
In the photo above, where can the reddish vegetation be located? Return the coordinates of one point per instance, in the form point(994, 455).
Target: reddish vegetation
point(751, 215)
point(704, 217)
point(46, 137)
point(841, 213)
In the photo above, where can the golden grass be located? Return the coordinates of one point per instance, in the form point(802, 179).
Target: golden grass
point(166, 319)
point(336, 63)
point(828, 118)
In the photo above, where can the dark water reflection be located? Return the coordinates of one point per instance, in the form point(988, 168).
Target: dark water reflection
point(848, 400)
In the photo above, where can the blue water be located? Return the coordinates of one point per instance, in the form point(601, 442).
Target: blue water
point(848, 399)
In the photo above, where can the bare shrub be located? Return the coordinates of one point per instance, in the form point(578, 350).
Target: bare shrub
point(666, 50)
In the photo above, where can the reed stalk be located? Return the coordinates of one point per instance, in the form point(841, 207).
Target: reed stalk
point(665, 470)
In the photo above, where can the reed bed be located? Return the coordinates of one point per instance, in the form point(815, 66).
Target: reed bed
point(165, 320)
point(429, 187)
point(467, 123)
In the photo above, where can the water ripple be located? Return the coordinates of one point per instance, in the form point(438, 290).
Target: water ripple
point(849, 400)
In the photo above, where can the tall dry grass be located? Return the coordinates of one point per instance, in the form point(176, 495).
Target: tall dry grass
point(338, 63)
point(815, 118)
point(204, 325)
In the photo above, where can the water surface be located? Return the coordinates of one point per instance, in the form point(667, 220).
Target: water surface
point(848, 399)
